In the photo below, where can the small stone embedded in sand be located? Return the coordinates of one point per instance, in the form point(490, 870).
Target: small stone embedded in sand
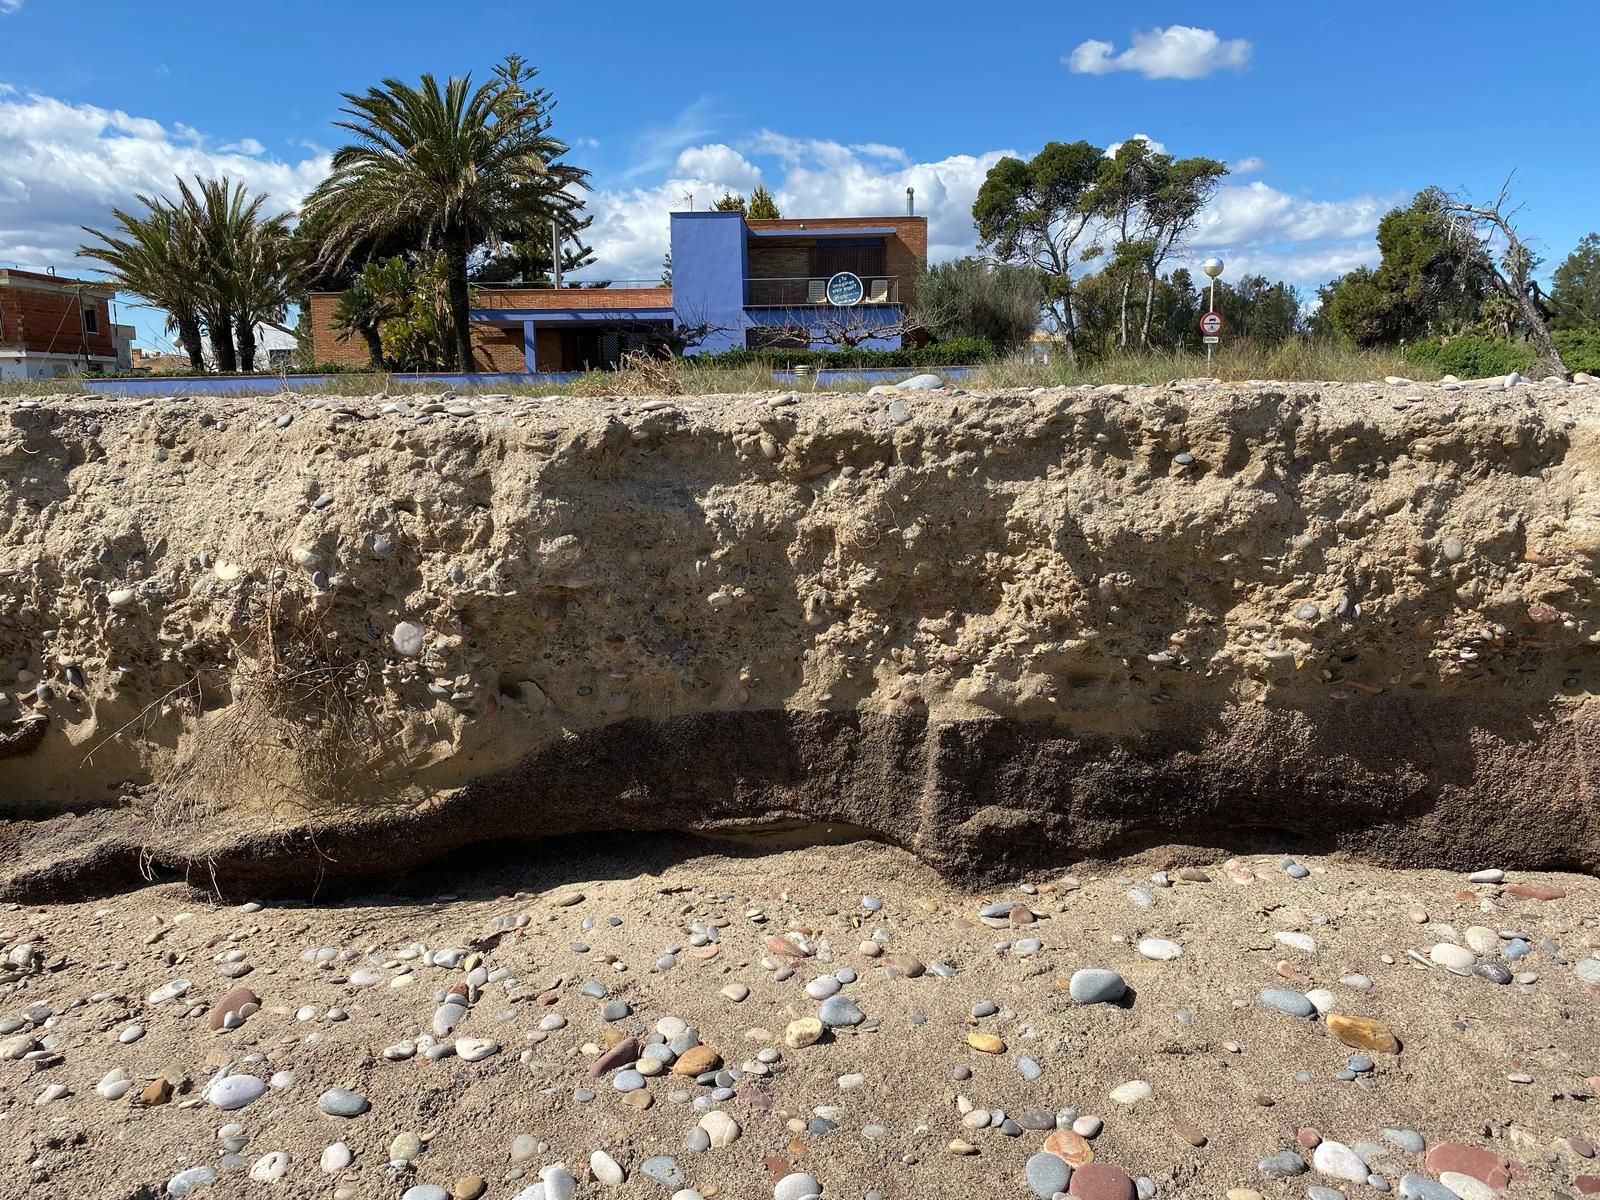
point(796, 1186)
point(1096, 986)
point(838, 1011)
point(1483, 1165)
point(696, 1061)
point(1296, 1004)
point(1132, 1092)
point(1046, 1174)
point(232, 1092)
point(1284, 1165)
point(1364, 1033)
point(986, 1043)
point(802, 1032)
point(1458, 960)
point(1339, 1161)
point(342, 1102)
point(407, 639)
point(230, 1011)
point(1101, 1181)
point(1160, 949)
point(1070, 1146)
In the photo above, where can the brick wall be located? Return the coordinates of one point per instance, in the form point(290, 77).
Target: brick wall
point(498, 348)
point(905, 254)
point(42, 316)
point(547, 349)
point(504, 298)
point(325, 344)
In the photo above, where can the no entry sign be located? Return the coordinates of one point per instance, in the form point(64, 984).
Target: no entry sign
point(1211, 324)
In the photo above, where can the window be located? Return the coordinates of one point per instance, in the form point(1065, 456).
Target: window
point(91, 320)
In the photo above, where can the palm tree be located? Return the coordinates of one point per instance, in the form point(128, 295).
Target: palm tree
point(154, 260)
point(455, 166)
point(380, 293)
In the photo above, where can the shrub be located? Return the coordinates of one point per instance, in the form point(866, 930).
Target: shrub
point(1473, 357)
point(968, 298)
point(1580, 349)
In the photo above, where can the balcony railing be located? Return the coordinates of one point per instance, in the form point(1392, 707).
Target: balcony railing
point(799, 291)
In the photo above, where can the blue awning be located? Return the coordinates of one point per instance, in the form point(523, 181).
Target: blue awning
point(887, 231)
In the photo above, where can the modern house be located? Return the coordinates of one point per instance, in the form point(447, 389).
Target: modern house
point(52, 326)
point(785, 282)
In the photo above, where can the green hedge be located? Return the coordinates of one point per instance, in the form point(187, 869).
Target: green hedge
point(1471, 357)
point(956, 352)
point(1580, 349)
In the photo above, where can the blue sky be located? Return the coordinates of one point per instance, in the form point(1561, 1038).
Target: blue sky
point(1331, 113)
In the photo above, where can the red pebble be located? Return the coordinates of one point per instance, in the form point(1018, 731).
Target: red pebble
point(1482, 1165)
point(1101, 1181)
point(1308, 1137)
point(625, 1051)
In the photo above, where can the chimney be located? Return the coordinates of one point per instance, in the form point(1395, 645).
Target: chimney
point(911, 202)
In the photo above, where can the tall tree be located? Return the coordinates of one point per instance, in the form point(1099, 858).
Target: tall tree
point(1035, 213)
point(1499, 251)
point(1122, 188)
point(1575, 287)
point(730, 202)
point(456, 165)
point(1178, 191)
point(970, 298)
point(762, 206)
point(1430, 278)
point(152, 258)
point(380, 293)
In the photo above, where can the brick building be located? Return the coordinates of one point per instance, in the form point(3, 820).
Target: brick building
point(736, 282)
point(52, 326)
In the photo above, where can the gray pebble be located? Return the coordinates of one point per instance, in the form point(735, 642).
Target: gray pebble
point(1287, 1001)
point(1047, 1174)
point(342, 1102)
point(663, 1169)
point(1284, 1165)
point(1097, 986)
point(840, 1010)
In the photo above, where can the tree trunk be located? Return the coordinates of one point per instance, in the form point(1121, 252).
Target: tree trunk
point(219, 330)
point(460, 302)
point(1539, 332)
point(374, 342)
point(245, 334)
point(189, 338)
point(1122, 335)
point(1149, 303)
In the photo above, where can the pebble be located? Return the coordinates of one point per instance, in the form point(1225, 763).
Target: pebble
point(1132, 1092)
point(840, 1011)
point(342, 1102)
point(1046, 1175)
point(1284, 1165)
point(426, 1191)
point(1341, 1162)
point(1096, 986)
point(796, 1186)
point(606, 1169)
point(336, 1158)
point(1458, 960)
point(233, 1092)
point(1490, 875)
point(1160, 949)
point(1286, 1001)
point(185, 1182)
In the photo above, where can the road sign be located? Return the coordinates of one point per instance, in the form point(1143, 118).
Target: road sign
point(1211, 324)
point(1211, 339)
point(845, 290)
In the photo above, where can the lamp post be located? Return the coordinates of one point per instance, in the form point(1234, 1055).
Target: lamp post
point(1213, 268)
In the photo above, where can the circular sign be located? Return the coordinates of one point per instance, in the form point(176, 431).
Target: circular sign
point(845, 290)
point(1211, 323)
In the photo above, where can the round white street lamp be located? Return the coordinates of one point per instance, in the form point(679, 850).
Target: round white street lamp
point(1213, 268)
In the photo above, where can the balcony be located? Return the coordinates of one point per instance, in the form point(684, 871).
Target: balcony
point(800, 291)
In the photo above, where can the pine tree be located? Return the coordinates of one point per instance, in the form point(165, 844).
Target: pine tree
point(762, 205)
point(730, 202)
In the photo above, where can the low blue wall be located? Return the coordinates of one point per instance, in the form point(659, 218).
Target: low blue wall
point(271, 385)
point(836, 375)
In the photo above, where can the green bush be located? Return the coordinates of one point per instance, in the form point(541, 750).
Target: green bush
point(955, 352)
point(1580, 349)
point(1472, 357)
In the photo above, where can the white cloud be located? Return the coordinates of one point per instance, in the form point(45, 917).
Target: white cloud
point(9, 6)
point(717, 161)
point(1176, 52)
point(1257, 214)
point(654, 149)
point(1151, 144)
point(67, 165)
point(1248, 165)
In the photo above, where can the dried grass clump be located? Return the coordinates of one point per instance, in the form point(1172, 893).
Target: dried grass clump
point(638, 373)
point(304, 728)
